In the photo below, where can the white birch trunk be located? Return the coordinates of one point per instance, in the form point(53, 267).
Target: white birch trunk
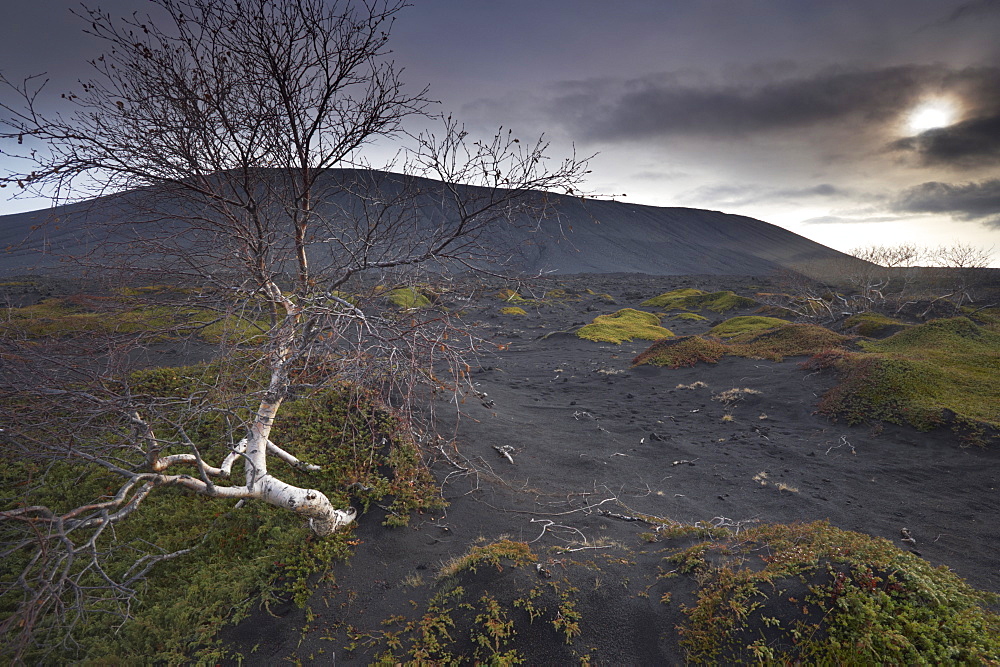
point(254, 449)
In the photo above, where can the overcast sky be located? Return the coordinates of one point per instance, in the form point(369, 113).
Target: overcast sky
point(851, 122)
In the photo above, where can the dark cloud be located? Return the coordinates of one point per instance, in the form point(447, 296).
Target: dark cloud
point(741, 195)
point(863, 101)
point(965, 201)
point(971, 143)
point(667, 104)
point(971, 11)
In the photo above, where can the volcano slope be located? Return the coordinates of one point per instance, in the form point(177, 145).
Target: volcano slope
point(606, 513)
point(581, 236)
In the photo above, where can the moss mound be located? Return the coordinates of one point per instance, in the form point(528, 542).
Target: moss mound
point(407, 298)
point(739, 325)
point(513, 310)
point(873, 325)
point(626, 324)
point(693, 299)
point(774, 343)
point(775, 594)
point(690, 317)
point(941, 372)
point(787, 340)
point(686, 351)
point(669, 300)
point(815, 594)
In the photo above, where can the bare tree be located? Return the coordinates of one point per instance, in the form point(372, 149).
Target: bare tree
point(229, 130)
point(963, 266)
point(884, 275)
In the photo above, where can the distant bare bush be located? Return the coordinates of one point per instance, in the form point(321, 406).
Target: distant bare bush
point(889, 279)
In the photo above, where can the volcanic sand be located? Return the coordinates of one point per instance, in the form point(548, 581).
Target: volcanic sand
point(584, 426)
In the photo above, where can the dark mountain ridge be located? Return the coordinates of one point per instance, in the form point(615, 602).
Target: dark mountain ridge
point(585, 235)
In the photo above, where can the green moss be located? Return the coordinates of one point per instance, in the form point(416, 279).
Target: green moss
point(815, 594)
point(407, 298)
point(624, 325)
point(692, 299)
point(518, 554)
point(690, 317)
point(83, 315)
point(940, 372)
point(669, 300)
point(513, 310)
point(739, 325)
point(989, 317)
point(257, 551)
point(777, 594)
point(787, 340)
point(776, 311)
point(510, 296)
point(684, 351)
point(873, 325)
point(606, 298)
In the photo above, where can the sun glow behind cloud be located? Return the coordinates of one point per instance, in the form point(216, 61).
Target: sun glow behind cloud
point(931, 114)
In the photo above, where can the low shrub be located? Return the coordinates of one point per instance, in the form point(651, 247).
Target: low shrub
point(518, 553)
point(240, 557)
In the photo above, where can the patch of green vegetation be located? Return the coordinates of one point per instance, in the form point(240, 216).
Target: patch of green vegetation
point(693, 299)
point(513, 310)
point(684, 351)
point(407, 298)
point(740, 325)
point(779, 594)
point(873, 325)
point(815, 594)
point(518, 553)
point(240, 557)
point(624, 325)
point(941, 372)
point(511, 296)
point(989, 317)
point(494, 633)
point(86, 315)
point(150, 290)
point(670, 300)
point(606, 298)
point(690, 317)
point(776, 311)
point(787, 340)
